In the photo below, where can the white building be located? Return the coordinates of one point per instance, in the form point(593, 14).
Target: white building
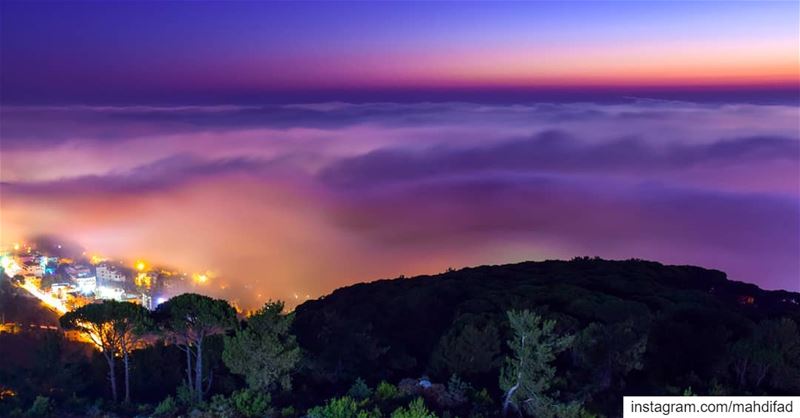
point(86, 285)
point(147, 301)
point(107, 273)
point(103, 292)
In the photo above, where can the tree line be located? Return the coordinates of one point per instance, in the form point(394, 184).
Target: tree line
point(263, 350)
point(260, 348)
point(532, 339)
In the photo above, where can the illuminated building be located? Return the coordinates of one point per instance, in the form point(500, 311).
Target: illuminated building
point(86, 285)
point(147, 301)
point(108, 273)
point(77, 271)
point(82, 276)
point(48, 264)
point(146, 280)
point(60, 290)
point(104, 292)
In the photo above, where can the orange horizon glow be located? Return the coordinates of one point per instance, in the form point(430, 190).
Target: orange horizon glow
point(710, 63)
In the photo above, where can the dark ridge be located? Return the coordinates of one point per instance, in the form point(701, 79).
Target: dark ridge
point(390, 329)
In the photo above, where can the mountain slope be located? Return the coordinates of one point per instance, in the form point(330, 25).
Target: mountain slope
point(455, 322)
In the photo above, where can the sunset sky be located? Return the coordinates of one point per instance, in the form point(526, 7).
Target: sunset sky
point(294, 147)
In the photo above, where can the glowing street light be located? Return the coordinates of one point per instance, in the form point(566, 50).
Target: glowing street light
point(140, 265)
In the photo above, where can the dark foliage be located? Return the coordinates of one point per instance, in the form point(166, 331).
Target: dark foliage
point(679, 319)
point(639, 328)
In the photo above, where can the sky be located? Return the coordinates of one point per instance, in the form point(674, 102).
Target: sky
point(295, 147)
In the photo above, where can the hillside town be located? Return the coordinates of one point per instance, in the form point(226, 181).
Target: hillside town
point(65, 284)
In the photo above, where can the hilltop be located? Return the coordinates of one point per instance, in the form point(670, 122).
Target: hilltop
point(687, 318)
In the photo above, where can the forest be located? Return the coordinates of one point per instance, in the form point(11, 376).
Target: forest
point(542, 339)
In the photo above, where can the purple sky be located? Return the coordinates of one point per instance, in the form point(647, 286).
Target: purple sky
point(235, 52)
point(288, 150)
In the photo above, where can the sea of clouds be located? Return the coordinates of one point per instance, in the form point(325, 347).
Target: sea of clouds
point(300, 199)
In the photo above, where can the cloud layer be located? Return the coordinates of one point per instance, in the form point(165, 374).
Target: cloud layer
point(281, 200)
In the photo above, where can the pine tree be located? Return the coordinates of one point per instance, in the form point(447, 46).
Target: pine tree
point(529, 371)
point(187, 320)
point(264, 351)
point(116, 328)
